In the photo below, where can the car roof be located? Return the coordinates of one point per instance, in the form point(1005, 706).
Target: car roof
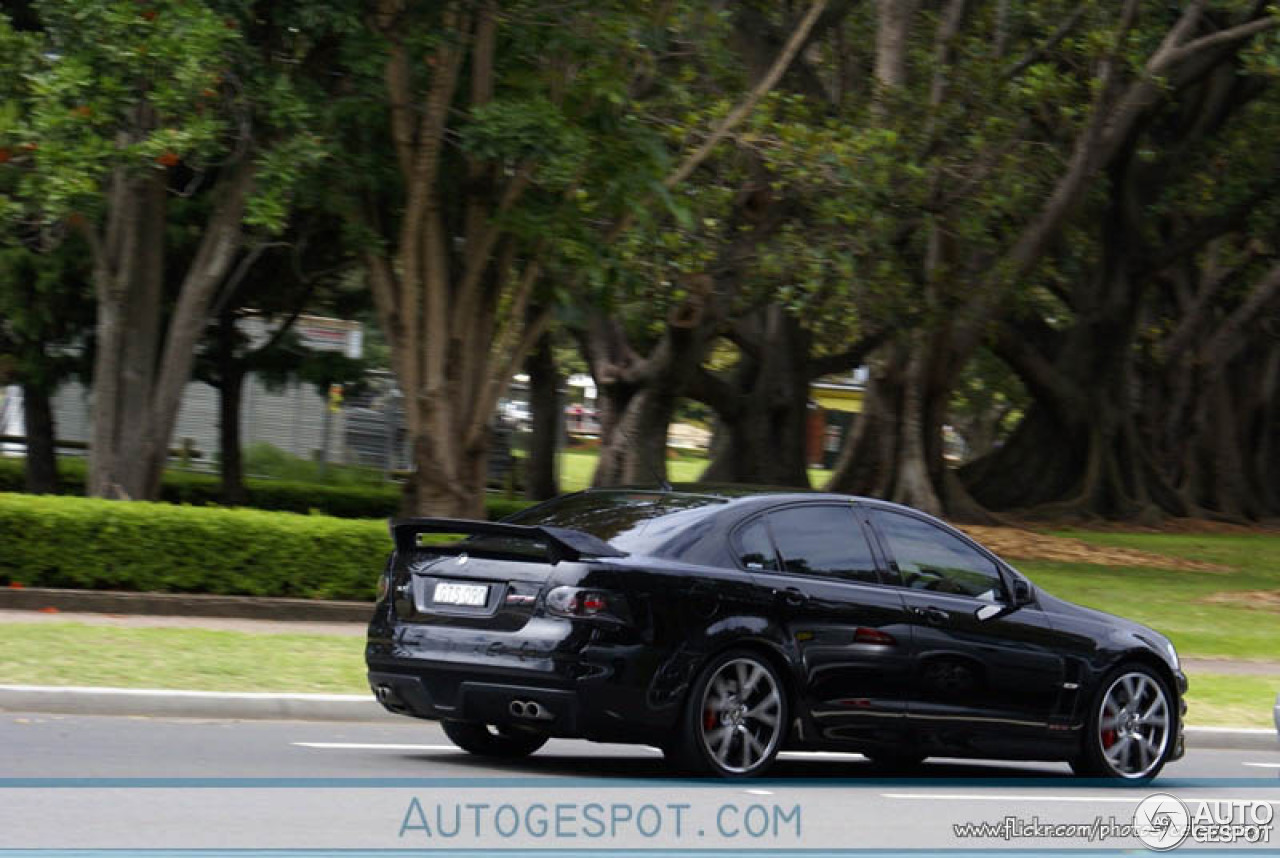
point(693, 513)
point(739, 494)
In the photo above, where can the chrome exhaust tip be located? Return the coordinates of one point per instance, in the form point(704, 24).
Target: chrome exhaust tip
point(533, 709)
point(518, 709)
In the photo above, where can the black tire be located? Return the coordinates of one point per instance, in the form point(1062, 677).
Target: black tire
point(484, 740)
point(1132, 741)
point(722, 734)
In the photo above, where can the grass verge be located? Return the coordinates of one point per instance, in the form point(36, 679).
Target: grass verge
point(200, 659)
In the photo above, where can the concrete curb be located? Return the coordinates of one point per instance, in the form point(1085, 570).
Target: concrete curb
point(159, 703)
point(182, 605)
point(1232, 739)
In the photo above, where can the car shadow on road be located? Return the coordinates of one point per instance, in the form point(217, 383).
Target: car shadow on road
point(799, 769)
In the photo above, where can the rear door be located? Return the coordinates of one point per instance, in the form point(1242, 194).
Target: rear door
point(984, 675)
point(850, 629)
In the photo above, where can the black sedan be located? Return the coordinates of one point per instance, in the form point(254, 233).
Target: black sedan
point(724, 625)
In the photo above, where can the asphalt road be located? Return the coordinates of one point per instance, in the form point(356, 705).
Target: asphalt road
point(295, 785)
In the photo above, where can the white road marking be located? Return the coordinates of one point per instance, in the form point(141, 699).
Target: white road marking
point(1264, 765)
point(822, 755)
point(758, 792)
point(370, 746)
point(1081, 798)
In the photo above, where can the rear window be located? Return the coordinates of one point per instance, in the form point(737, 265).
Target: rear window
point(636, 522)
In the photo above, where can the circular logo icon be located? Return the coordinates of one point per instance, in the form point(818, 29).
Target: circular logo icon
point(1161, 822)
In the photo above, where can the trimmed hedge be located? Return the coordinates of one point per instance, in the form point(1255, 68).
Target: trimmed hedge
point(50, 541)
point(342, 501)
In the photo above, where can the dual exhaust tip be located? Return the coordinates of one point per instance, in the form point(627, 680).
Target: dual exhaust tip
point(529, 709)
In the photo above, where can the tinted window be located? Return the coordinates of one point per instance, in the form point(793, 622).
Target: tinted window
point(823, 540)
point(929, 558)
point(630, 521)
point(755, 548)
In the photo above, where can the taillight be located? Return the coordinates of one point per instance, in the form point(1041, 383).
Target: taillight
point(581, 603)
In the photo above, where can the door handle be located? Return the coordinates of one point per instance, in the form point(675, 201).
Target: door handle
point(791, 596)
point(931, 615)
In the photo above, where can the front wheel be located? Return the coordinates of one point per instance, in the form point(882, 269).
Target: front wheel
point(486, 740)
point(1131, 727)
point(735, 720)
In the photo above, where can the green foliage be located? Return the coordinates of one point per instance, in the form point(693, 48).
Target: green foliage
point(109, 545)
point(44, 311)
point(114, 84)
point(126, 87)
point(349, 501)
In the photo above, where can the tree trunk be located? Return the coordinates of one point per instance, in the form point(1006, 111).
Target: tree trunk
point(137, 386)
point(896, 451)
point(634, 452)
point(638, 396)
point(762, 415)
point(541, 477)
point(230, 448)
point(41, 472)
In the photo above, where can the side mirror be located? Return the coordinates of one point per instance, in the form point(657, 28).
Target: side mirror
point(1022, 594)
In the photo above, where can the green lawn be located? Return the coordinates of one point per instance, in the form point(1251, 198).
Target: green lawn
point(1175, 602)
point(77, 654)
point(1214, 699)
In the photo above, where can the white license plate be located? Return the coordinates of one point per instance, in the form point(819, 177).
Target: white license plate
point(460, 594)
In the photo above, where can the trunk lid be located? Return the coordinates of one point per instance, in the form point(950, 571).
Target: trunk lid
point(480, 574)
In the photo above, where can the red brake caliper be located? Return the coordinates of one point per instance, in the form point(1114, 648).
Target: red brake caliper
point(1108, 738)
point(709, 719)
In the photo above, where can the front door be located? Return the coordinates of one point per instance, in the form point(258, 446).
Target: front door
point(985, 676)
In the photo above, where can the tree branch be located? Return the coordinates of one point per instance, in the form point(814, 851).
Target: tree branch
point(1230, 36)
point(694, 159)
point(1034, 55)
point(849, 359)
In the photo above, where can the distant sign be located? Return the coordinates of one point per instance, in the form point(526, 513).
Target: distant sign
point(331, 335)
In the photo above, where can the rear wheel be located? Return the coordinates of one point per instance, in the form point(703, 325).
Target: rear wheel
point(487, 740)
point(735, 720)
point(1131, 728)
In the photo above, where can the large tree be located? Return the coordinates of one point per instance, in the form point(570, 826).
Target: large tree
point(135, 119)
point(1077, 100)
point(523, 148)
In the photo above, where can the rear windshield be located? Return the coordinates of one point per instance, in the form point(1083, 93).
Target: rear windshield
point(635, 522)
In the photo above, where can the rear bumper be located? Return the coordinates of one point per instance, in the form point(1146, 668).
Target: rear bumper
point(587, 682)
point(410, 693)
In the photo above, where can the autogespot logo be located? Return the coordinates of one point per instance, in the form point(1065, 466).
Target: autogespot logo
point(1161, 822)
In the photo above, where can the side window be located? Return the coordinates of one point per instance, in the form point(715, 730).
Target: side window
point(823, 540)
point(931, 559)
point(755, 548)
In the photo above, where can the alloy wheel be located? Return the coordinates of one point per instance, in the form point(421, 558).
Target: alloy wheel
point(1134, 724)
point(741, 715)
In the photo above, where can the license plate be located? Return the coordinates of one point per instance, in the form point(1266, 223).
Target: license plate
point(460, 594)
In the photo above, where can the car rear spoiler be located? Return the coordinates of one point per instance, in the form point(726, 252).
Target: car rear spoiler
point(562, 543)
